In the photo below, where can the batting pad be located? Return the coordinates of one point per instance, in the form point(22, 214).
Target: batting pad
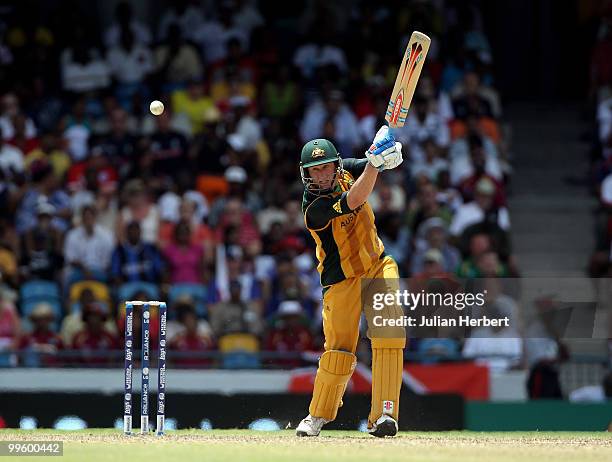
point(387, 368)
point(335, 370)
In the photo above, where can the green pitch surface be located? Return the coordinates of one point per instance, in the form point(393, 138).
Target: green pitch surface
point(334, 446)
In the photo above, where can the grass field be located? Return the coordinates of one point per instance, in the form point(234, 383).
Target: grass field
point(337, 446)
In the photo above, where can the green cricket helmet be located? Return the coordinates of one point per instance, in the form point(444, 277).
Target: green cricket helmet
point(317, 152)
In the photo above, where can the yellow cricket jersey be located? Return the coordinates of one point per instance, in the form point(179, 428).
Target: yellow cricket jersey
point(347, 242)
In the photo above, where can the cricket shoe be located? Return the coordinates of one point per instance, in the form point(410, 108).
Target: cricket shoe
point(310, 426)
point(384, 426)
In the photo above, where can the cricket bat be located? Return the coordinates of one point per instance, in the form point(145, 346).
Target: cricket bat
point(406, 80)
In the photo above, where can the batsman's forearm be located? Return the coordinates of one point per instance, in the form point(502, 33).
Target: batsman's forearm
point(362, 188)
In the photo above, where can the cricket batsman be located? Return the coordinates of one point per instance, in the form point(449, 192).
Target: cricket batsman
point(349, 251)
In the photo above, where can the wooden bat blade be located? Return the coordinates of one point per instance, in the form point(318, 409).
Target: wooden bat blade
point(406, 80)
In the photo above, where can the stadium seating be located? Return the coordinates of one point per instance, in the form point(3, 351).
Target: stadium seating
point(127, 290)
point(196, 292)
point(239, 351)
point(34, 292)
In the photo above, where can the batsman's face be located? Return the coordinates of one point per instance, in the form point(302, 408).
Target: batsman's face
point(323, 175)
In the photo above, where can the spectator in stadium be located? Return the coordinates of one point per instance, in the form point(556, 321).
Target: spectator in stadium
point(9, 274)
point(432, 162)
point(476, 123)
point(289, 335)
point(11, 108)
point(238, 267)
point(235, 214)
point(130, 63)
point(235, 61)
point(434, 233)
point(26, 144)
point(94, 342)
point(481, 209)
point(42, 340)
point(447, 194)
point(387, 197)
point(243, 120)
point(190, 340)
point(176, 61)
point(237, 188)
point(235, 315)
point(498, 347)
point(95, 182)
point(478, 167)
point(395, 237)
point(600, 260)
point(44, 186)
point(544, 351)
point(280, 95)
point(247, 16)
point(422, 124)
point(604, 126)
point(185, 260)
point(119, 145)
point(186, 16)
point(231, 87)
point(213, 34)
point(51, 151)
point(471, 95)
point(192, 208)
point(194, 103)
point(82, 68)
point(73, 321)
point(134, 260)
point(209, 150)
point(317, 51)
point(124, 21)
point(287, 285)
point(138, 207)
point(42, 255)
point(333, 115)
point(88, 248)
point(12, 160)
point(478, 245)
point(464, 151)
point(426, 206)
point(593, 393)
point(433, 266)
point(76, 128)
point(10, 326)
point(164, 151)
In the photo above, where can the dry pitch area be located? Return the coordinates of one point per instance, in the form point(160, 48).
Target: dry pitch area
point(337, 446)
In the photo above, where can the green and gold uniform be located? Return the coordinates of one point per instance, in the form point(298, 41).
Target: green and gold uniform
point(350, 254)
point(347, 243)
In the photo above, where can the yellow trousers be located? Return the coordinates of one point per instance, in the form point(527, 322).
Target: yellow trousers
point(342, 307)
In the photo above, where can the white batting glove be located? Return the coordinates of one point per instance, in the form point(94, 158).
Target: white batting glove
point(392, 157)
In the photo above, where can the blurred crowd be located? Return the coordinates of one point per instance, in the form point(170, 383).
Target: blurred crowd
point(601, 152)
point(102, 202)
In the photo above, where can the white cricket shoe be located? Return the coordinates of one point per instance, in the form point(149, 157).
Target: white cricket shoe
point(384, 426)
point(310, 426)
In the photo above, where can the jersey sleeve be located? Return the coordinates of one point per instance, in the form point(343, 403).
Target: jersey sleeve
point(355, 166)
point(323, 209)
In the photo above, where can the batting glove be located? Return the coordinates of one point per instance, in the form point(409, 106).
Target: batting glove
point(383, 142)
